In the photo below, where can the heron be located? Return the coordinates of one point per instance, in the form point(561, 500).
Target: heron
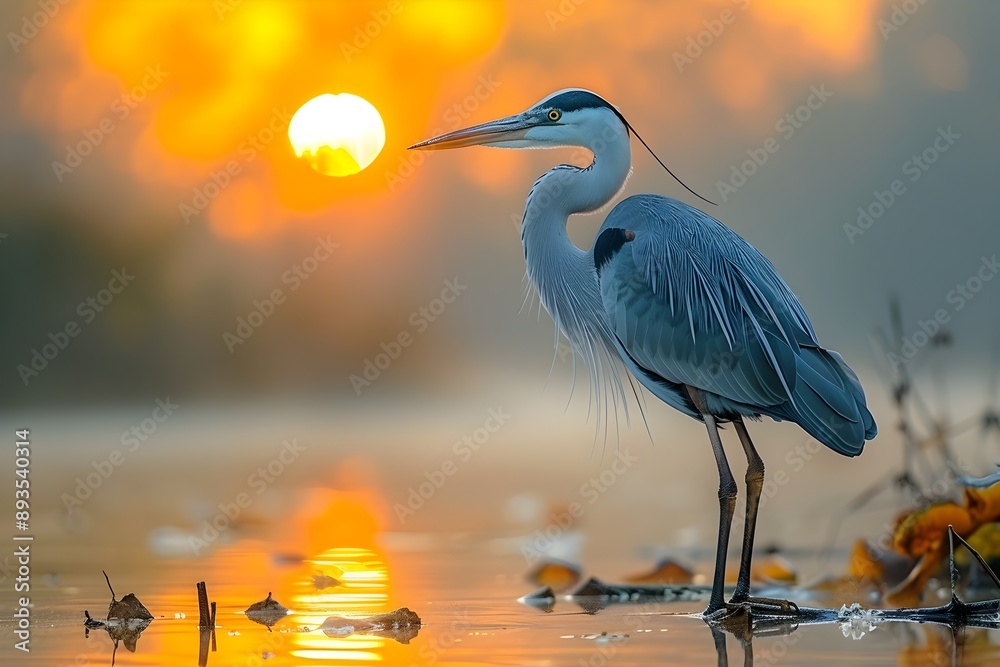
point(697, 315)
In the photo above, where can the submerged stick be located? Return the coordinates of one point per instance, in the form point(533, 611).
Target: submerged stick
point(952, 568)
point(595, 595)
point(595, 588)
point(204, 617)
point(204, 639)
point(206, 625)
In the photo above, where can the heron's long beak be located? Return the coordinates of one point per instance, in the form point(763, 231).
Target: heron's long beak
point(504, 132)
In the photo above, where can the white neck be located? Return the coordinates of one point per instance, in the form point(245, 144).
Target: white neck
point(563, 274)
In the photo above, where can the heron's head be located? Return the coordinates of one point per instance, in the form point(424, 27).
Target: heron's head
point(571, 117)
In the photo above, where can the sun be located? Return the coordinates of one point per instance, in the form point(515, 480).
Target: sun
point(338, 135)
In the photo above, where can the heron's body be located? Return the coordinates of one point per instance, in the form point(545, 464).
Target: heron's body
point(693, 311)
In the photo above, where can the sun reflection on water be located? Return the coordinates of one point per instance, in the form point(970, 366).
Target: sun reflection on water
point(362, 582)
point(346, 580)
point(343, 574)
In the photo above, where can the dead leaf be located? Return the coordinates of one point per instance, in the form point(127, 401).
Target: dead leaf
point(667, 571)
point(558, 575)
point(401, 625)
point(266, 612)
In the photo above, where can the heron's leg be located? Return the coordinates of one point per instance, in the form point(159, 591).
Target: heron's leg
point(727, 507)
point(719, 637)
point(755, 483)
point(739, 623)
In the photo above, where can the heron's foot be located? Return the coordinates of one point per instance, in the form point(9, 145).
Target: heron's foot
point(725, 614)
point(757, 606)
point(734, 619)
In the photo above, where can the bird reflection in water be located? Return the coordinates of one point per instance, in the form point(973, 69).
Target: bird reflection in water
point(943, 645)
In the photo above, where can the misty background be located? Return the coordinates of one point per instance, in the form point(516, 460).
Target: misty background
point(867, 88)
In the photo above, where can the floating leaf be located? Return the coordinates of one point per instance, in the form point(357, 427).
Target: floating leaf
point(126, 620)
point(128, 609)
point(401, 625)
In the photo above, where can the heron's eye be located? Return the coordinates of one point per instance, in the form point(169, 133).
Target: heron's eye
point(555, 115)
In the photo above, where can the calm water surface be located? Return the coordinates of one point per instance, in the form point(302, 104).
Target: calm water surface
point(470, 617)
point(319, 538)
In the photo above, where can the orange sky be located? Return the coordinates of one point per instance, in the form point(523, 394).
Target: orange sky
point(201, 92)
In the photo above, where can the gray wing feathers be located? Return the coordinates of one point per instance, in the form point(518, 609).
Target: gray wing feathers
point(682, 308)
point(830, 404)
point(693, 302)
